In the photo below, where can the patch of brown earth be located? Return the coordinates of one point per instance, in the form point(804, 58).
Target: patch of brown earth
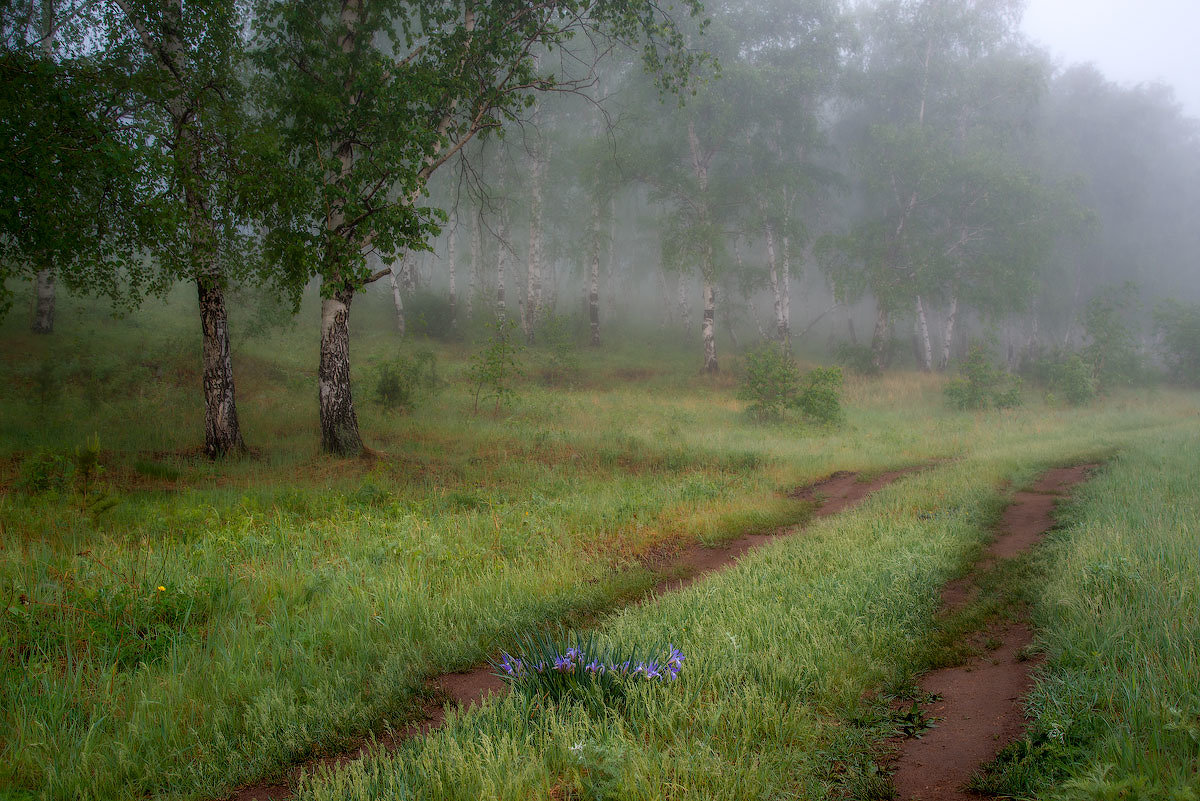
point(979, 710)
point(472, 687)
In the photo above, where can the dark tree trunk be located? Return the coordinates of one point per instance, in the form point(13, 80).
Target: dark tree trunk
point(339, 423)
point(43, 316)
point(222, 434)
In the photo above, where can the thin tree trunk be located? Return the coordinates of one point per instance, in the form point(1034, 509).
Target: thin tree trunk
point(666, 319)
point(708, 327)
point(923, 331)
point(879, 356)
point(948, 333)
point(476, 263)
point(533, 282)
point(398, 302)
point(501, 266)
point(781, 332)
point(43, 317)
point(593, 297)
point(685, 311)
point(222, 434)
point(451, 269)
point(339, 423)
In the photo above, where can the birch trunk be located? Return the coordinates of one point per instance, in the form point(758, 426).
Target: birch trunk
point(923, 331)
point(398, 302)
point(948, 333)
point(776, 286)
point(708, 327)
point(533, 282)
point(339, 423)
point(451, 269)
point(879, 356)
point(594, 276)
point(685, 311)
point(501, 266)
point(222, 434)
point(785, 281)
point(476, 262)
point(43, 316)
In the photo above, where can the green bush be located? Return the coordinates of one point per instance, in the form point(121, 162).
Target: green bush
point(982, 385)
point(428, 314)
point(496, 367)
point(1178, 329)
point(820, 400)
point(1112, 348)
point(858, 358)
point(400, 381)
point(555, 333)
point(771, 383)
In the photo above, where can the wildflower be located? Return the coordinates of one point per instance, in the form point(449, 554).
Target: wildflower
point(573, 654)
point(650, 670)
point(162, 588)
point(595, 667)
point(509, 665)
point(563, 664)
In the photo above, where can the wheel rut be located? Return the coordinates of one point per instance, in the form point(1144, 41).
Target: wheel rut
point(979, 706)
point(839, 492)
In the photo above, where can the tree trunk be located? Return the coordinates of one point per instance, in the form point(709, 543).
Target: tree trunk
point(685, 311)
point(948, 333)
point(533, 282)
point(776, 286)
point(451, 269)
point(476, 262)
point(785, 285)
point(43, 316)
point(339, 423)
point(879, 344)
point(398, 302)
point(708, 327)
point(923, 331)
point(594, 276)
point(501, 266)
point(222, 434)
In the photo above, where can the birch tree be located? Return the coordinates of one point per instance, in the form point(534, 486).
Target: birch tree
point(372, 99)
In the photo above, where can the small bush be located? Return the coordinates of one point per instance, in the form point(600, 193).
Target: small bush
point(554, 331)
point(858, 358)
point(1112, 348)
point(820, 401)
point(400, 381)
point(982, 385)
point(495, 369)
point(771, 383)
point(45, 471)
point(428, 314)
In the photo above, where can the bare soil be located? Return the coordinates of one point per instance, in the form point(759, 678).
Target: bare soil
point(466, 689)
point(979, 708)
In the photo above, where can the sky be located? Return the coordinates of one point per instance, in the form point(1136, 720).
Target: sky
point(1131, 41)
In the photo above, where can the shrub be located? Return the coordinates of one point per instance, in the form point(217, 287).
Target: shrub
point(562, 365)
point(496, 367)
point(771, 383)
point(45, 471)
point(858, 358)
point(1178, 330)
point(982, 385)
point(400, 381)
point(820, 400)
point(428, 314)
point(1112, 347)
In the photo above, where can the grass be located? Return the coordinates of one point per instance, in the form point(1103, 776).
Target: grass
point(306, 599)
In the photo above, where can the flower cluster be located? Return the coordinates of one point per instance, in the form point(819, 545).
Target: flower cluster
point(575, 661)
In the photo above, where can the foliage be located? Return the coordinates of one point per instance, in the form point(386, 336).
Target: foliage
point(428, 314)
point(401, 380)
point(771, 382)
point(1178, 328)
point(982, 385)
point(1112, 349)
point(1064, 374)
point(858, 358)
point(496, 367)
point(820, 396)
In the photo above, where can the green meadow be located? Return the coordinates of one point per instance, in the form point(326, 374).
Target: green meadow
point(173, 628)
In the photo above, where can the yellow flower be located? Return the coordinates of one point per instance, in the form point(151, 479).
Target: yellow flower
point(162, 589)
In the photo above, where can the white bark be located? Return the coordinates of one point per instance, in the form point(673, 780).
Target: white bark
point(594, 275)
point(923, 332)
point(533, 282)
point(501, 265)
point(785, 284)
point(685, 311)
point(398, 302)
point(708, 327)
point(451, 269)
point(948, 333)
point(476, 262)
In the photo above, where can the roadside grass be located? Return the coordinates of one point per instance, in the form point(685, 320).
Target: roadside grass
point(306, 599)
point(1116, 711)
point(789, 658)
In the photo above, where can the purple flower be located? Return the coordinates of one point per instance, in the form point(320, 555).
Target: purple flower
point(512, 667)
point(573, 654)
point(676, 657)
point(595, 667)
point(650, 670)
point(563, 664)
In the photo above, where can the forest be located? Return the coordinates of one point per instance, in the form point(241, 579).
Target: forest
point(597, 399)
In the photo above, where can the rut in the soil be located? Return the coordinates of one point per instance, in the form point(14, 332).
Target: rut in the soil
point(979, 710)
point(841, 491)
